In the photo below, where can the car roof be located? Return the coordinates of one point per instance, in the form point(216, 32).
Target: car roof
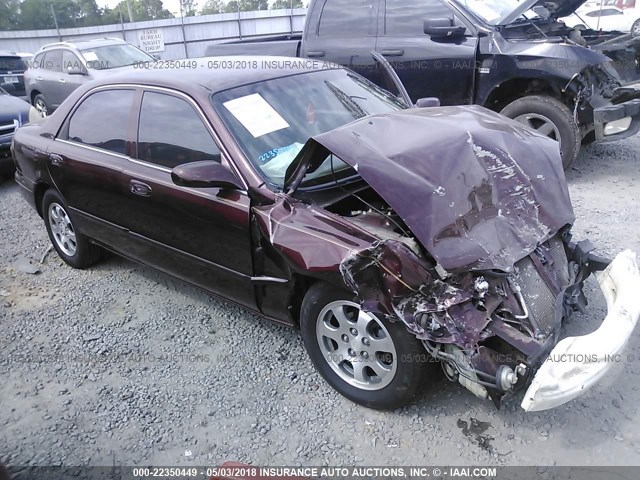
point(216, 73)
point(83, 44)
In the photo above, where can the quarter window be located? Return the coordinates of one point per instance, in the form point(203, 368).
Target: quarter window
point(102, 120)
point(406, 17)
point(170, 132)
point(348, 18)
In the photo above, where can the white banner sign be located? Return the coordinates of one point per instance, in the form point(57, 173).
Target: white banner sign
point(151, 40)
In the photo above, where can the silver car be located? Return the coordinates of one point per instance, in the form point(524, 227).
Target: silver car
point(59, 68)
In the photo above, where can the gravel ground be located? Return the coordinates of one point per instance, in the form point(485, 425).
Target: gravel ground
point(119, 363)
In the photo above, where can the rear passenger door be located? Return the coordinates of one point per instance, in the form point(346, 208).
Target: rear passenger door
point(87, 159)
point(200, 235)
point(51, 80)
point(428, 66)
point(345, 33)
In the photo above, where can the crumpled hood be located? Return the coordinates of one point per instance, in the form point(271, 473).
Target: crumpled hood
point(557, 8)
point(478, 191)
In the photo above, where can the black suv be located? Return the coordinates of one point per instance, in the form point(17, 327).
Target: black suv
point(12, 68)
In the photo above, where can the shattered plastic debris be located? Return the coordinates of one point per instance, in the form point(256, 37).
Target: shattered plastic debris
point(24, 265)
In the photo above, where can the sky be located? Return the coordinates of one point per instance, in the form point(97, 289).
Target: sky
point(172, 5)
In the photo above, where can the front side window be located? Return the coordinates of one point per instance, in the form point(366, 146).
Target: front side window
point(70, 60)
point(171, 133)
point(406, 17)
point(272, 120)
point(348, 18)
point(102, 120)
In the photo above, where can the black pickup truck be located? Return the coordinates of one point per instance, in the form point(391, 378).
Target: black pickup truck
point(514, 57)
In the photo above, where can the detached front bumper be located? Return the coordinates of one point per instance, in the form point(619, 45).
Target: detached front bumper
point(577, 363)
point(615, 122)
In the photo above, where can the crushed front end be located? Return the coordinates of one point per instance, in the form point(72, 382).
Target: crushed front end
point(475, 254)
point(493, 330)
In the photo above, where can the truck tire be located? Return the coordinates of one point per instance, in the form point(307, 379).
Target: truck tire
point(394, 366)
point(549, 117)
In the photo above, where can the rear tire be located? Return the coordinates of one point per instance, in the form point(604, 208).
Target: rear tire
point(550, 117)
point(41, 106)
point(73, 247)
point(390, 364)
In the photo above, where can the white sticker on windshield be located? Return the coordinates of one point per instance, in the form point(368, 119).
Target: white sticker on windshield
point(256, 115)
point(90, 56)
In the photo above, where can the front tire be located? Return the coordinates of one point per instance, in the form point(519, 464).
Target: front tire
point(73, 247)
point(369, 360)
point(635, 29)
point(551, 118)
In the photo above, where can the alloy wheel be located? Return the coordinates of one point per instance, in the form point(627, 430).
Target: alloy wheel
point(62, 229)
point(41, 107)
point(356, 345)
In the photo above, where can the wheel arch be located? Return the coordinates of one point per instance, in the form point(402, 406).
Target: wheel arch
point(38, 195)
point(506, 92)
point(33, 95)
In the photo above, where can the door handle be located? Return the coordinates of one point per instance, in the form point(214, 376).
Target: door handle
point(62, 80)
point(56, 159)
point(139, 188)
point(315, 53)
point(393, 53)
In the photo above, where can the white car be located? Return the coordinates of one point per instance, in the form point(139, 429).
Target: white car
point(607, 18)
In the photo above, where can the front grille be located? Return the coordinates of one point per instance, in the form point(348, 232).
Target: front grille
point(7, 128)
point(539, 298)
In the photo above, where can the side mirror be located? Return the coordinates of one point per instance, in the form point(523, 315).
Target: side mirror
point(205, 174)
point(75, 70)
point(443, 28)
point(428, 102)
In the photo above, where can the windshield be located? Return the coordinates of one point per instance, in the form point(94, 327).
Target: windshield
point(114, 56)
point(492, 11)
point(271, 121)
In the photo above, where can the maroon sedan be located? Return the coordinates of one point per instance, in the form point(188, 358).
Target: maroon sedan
point(391, 236)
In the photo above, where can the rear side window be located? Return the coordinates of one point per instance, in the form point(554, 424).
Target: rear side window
point(349, 18)
point(170, 132)
point(102, 120)
point(53, 61)
point(406, 17)
point(38, 61)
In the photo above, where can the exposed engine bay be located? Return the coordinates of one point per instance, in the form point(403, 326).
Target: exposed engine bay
point(490, 329)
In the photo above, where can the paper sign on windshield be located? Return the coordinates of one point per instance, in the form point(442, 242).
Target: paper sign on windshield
point(256, 115)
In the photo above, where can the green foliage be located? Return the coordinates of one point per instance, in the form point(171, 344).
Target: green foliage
point(282, 4)
point(36, 14)
point(246, 5)
point(212, 7)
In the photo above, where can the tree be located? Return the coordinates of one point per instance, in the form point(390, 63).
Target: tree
point(212, 7)
point(8, 14)
point(247, 5)
point(142, 10)
point(281, 4)
point(188, 7)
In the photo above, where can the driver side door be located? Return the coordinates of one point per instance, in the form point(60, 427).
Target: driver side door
point(428, 66)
